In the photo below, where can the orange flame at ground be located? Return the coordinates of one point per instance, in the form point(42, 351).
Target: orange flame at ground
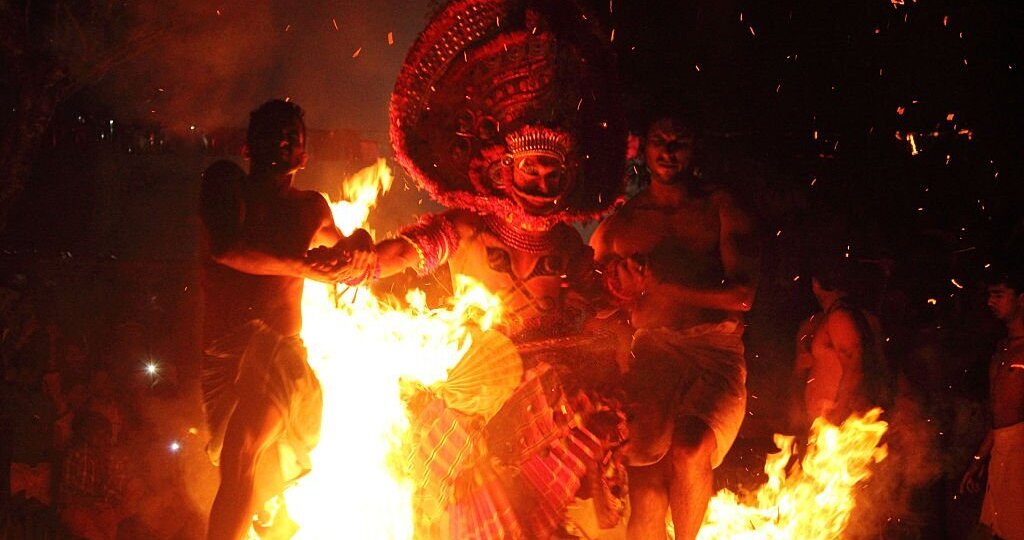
point(361, 347)
point(815, 498)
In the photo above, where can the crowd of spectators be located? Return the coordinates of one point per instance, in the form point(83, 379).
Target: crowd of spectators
point(87, 450)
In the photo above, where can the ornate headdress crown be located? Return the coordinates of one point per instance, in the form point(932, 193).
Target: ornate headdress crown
point(539, 141)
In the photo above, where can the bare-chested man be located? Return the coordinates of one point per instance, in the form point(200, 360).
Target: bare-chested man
point(262, 400)
point(840, 366)
point(682, 258)
point(1003, 447)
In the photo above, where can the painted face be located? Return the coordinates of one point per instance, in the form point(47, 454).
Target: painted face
point(667, 150)
point(538, 182)
point(281, 148)
point(1005, 302)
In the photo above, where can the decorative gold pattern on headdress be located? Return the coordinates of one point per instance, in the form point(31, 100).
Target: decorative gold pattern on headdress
point(539, 141)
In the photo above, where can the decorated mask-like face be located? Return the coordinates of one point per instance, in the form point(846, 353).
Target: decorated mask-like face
point(540, 175)
point(538, 182)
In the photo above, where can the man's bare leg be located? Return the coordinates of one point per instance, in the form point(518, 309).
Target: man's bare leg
point(691, 479)
point(252, 428)
point(648, 501)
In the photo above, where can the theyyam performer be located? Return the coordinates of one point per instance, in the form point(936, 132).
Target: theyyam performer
point(507, 113)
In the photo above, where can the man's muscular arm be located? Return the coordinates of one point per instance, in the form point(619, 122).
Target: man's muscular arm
point(243, 256)
point(222, 212)
point(422, 246)
point(796, 410)
point(327, 234)
point(846, 343)
point(396, 255)
point(740, 259)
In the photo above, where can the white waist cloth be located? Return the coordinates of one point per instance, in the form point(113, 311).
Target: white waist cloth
point(1003, 509)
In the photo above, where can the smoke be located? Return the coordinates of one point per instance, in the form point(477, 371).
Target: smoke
point(213, 62)
point(889, 504)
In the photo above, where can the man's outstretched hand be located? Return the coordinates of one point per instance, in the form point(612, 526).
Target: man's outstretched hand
point(626, 278)
point(353, 260)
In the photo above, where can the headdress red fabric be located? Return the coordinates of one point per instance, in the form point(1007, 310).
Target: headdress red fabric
point(488, 78)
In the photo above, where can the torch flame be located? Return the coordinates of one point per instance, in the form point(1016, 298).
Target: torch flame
point(362, 349)
point(360, 194)
point(814, 500)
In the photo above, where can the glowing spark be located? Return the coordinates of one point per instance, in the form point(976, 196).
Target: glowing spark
point(334, 22)
point(957, 285)
point(913, 144)
point(355, 54)
point(391, 38)
point(613, 35)
point(174, 447)
point(1016, 366)
point(933, 301)
point(152, 368)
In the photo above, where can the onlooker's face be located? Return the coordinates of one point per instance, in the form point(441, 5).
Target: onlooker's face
point(280, 148)
point(667, 150)
point(1005, 303)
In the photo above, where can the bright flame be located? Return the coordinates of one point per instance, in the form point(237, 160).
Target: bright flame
point(361, 348)
point(815, 498)
point(360, 195)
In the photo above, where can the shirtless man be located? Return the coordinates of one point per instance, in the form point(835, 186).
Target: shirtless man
point(1003, 448)
point(681, 257)
point(840, 366)
point(261, 398)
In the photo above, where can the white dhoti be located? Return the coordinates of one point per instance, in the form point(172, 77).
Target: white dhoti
point(697, 372)
point(1003, 509)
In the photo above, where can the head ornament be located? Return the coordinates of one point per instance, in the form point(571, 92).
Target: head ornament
point(489, 82)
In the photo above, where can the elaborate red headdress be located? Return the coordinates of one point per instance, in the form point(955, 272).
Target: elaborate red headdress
point(489, 81)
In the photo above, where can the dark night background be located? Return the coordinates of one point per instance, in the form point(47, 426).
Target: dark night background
point(888, 131)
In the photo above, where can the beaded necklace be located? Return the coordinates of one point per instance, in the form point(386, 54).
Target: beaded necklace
point(519, 239)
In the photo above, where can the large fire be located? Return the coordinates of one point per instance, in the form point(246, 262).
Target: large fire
point(361, 348)
point(815, 498)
